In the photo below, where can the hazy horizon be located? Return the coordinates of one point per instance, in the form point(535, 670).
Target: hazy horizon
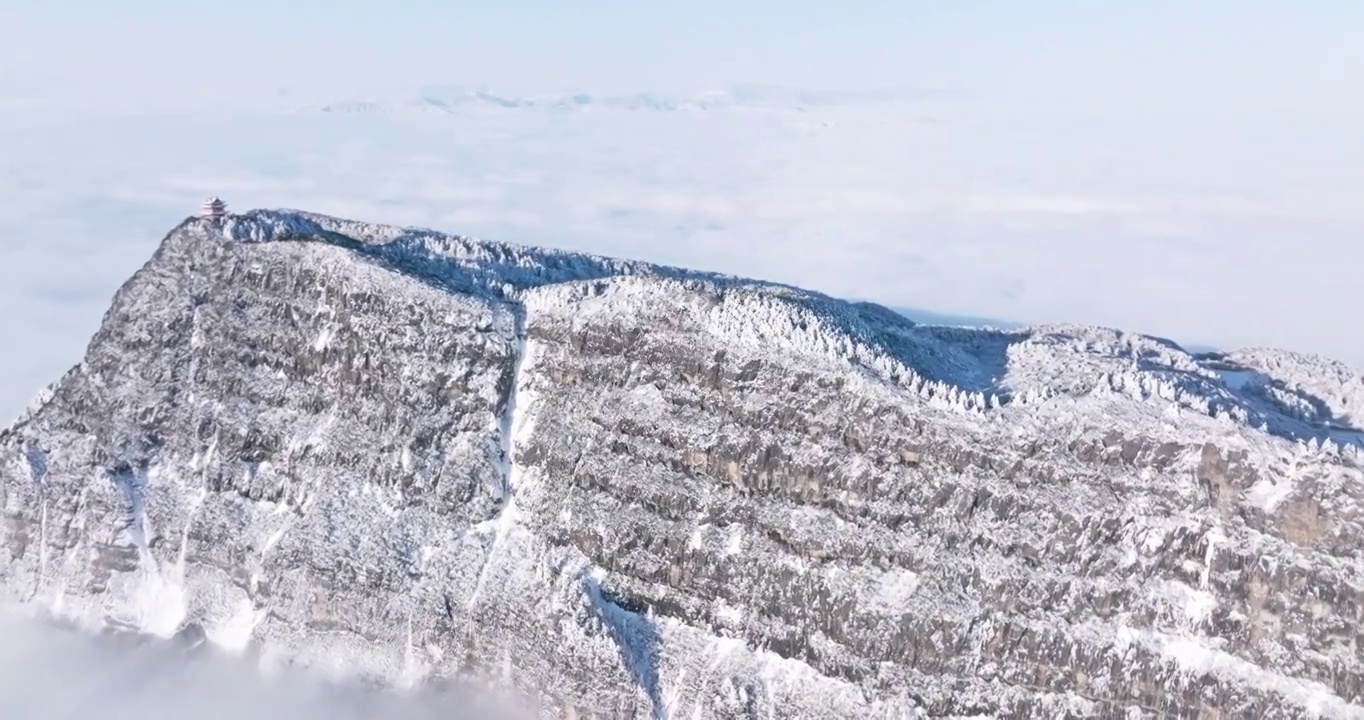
point(1211, 59)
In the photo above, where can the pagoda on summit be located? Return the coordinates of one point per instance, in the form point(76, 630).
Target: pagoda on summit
point(212, 208)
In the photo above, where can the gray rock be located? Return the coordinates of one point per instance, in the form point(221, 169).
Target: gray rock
point(618, 489)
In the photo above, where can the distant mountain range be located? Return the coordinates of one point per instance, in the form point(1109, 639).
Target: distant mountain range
point(451, 99)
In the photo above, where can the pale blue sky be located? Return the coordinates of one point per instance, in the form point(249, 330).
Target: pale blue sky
point(1210, 59)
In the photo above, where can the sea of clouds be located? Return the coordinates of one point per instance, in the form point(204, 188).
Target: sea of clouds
point(51, 672)
point(1206, 233)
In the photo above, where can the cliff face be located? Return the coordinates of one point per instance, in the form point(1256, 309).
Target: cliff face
point(622, 488)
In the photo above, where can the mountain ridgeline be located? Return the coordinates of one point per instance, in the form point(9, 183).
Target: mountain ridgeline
point(614, 489)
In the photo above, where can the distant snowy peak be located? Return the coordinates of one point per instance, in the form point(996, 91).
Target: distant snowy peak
point(450, 100)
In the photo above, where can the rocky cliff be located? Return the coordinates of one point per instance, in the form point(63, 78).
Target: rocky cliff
point(626, 490)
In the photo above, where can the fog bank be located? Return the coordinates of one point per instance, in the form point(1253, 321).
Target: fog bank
point(52, 672)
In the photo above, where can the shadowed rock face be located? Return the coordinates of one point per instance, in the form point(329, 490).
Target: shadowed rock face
point(621, 489)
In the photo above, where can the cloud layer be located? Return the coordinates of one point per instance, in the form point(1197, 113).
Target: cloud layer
point(1228, 237)
point(51, 672)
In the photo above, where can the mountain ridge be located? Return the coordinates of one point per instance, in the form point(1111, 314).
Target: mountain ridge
point(422, 456)
point(469, 265)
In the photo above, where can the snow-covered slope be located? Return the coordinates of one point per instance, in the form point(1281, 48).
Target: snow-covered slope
point(619, 488)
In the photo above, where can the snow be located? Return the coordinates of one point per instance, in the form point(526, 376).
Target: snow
point(729, 613)
point(273, 540)
point(892, 591)
point(647, 400)
point(697, 539)
point(233, 634)
point(1210, 542)
point(514, 424)
point(324, 339)
point(158, 602)
point(1190, 608)
point(735, 544)
point(1194, 656)
point(1269, 493)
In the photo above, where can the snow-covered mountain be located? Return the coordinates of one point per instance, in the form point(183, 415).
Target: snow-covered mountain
point(453, 99)
point(621, 489)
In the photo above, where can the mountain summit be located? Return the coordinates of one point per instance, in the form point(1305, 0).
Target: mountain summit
point(620, 489)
